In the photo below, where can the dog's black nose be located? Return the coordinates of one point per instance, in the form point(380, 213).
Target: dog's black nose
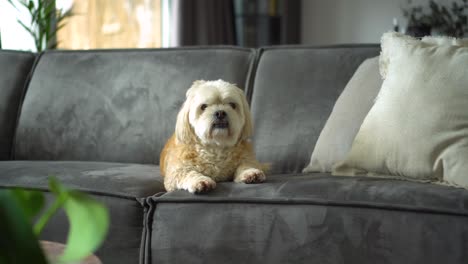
point(220, 115)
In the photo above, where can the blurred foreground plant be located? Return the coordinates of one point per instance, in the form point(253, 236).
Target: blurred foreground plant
point(89, 221)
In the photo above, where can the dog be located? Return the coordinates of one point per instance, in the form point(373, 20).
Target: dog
point(211, 140)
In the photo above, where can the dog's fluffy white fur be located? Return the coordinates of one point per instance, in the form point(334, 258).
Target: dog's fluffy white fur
point(210, 143)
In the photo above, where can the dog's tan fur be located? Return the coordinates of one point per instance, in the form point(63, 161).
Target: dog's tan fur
point(195, 162)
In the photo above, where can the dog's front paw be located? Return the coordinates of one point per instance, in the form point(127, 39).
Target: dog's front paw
point(200, 184)
point(251, 176)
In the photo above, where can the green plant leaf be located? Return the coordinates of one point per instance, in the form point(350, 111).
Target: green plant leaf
point(31, 5)
point(49, 212)
point(30, 201)
point(39, 4)
point(28, 29)
point(49, 8)
point(17, 241)
point(44, 20)
point(56, 187)
point(89, 222)
point(12, 4)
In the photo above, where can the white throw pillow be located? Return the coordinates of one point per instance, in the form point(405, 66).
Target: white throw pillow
point(346, 117)
point(418, 126)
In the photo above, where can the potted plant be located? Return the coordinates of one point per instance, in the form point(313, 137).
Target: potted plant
point(19, 208)
point(46, 21)
point(437, 19)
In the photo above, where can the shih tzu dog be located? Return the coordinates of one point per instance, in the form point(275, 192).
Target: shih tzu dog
point(210, 143)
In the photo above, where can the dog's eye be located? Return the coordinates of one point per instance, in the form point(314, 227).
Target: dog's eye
point(203, 107)
point(233, 105)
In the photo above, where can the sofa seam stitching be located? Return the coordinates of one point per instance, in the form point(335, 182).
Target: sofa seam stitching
point(320, 203)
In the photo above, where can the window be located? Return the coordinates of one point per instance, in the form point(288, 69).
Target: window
point(98, 24)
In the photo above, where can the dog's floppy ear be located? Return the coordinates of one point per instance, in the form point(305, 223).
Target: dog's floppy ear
point(247, 130)
point(183, 130)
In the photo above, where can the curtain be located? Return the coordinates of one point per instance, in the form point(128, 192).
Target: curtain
point(291, 22)
point(202, 22)
point(250, 23)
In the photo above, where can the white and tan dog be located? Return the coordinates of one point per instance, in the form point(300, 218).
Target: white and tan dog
point(210, 143)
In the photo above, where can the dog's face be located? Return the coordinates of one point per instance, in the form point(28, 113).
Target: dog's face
point(214, 113)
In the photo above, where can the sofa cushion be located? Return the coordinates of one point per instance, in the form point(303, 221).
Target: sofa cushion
point(418, 126)
point(113, 179)
point(14, 67)
point(115, 105)
point(350, 109)
point(322, 188)
point(293, 93)
point(116, 185)
point(313, 218)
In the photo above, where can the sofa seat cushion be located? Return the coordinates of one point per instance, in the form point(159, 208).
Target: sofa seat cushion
point(115, 179)
point(316, 217)
point(321, 188)
point(116, 185)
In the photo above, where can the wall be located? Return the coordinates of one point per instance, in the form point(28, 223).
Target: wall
point(349, 21)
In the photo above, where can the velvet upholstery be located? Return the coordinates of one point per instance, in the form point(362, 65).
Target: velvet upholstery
point(115, 106)
point(15, 68)
point(97, 121)
point(113, 179)
point(293, 93)
point(310, 218)
point(117, 185)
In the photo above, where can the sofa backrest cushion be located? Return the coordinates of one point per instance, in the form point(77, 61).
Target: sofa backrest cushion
point(15, 68)
point(293, 93)
point(115, 105)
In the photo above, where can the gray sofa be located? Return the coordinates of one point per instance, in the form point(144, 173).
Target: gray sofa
point(97, 120)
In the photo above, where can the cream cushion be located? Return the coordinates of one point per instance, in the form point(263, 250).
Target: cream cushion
point(349, 111)
point(418, 127)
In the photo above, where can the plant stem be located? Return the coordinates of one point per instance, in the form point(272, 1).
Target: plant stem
point(42, 221)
